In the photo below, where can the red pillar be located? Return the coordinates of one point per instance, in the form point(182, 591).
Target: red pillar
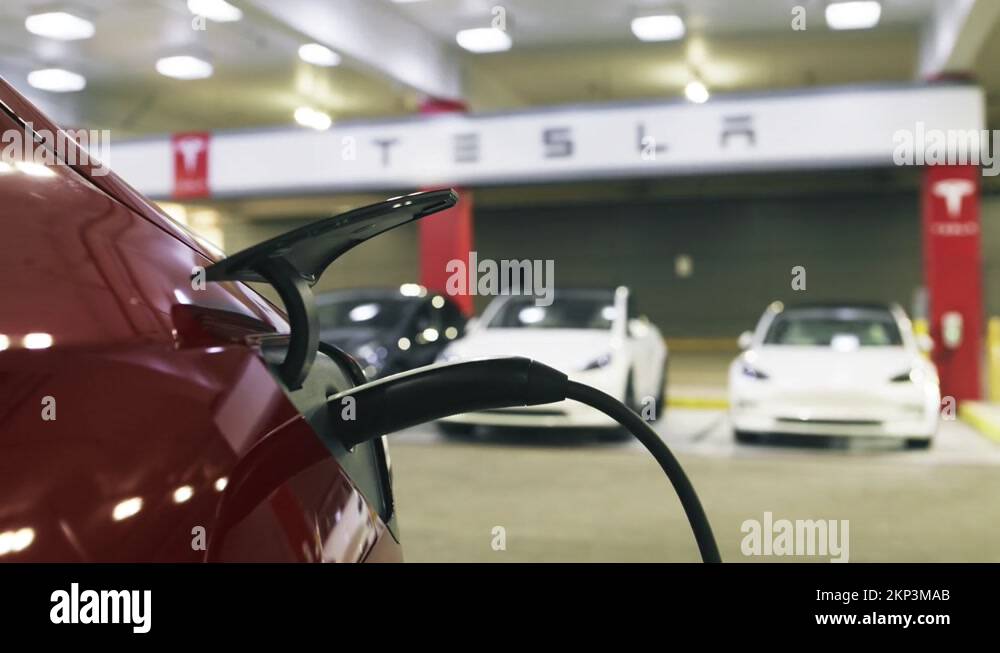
point(953, 273)
point(447, 235)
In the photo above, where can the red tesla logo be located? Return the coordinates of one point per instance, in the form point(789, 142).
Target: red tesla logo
point(191, 164)
point(953, 191)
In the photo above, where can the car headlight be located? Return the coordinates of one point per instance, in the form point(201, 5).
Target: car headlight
point(601, 361)
point(371, 353)
point(915, 375)
point(753, 372)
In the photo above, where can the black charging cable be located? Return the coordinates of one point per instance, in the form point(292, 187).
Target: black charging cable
point(645, 434)
point(427, 393)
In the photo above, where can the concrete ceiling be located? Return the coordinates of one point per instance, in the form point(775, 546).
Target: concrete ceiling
point(258, 81)
point(564, 51)
point(547, 23)
point(727, 63)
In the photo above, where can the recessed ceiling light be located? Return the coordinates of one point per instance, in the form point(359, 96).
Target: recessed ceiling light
point(219, 11)
point(184, 67)
point(59, 25)
point(658, 28)
point(56, 80)
point(318, 55)
point(483, 39)
point(853, 15)
point(309, 117)
point(696, 92)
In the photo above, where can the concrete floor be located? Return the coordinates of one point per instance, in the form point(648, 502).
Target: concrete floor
point(573, 498)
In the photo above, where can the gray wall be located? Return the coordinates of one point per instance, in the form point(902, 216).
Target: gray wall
point(853, 247)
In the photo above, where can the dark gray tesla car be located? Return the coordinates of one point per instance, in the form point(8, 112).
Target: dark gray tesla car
point(389, 330)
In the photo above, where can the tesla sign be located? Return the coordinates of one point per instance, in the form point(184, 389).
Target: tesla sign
point(190, 156)
point(824, 129)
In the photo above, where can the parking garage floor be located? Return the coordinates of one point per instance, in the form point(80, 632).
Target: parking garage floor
point(572, 497)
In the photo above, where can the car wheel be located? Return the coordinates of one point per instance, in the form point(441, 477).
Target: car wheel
point(661, 399)
point(621, 433)
point(456, 431)
point(747, 437)
point(615, 435)
point(915, 444)
point(629, 398)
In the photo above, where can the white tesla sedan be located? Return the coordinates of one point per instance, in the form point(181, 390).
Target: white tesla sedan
point(594, 336)
point(845, 370)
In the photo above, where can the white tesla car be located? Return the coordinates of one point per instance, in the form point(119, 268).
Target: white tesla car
point(594, 336)
point(845, 370)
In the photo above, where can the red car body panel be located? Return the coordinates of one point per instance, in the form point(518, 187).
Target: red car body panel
point(171, 441)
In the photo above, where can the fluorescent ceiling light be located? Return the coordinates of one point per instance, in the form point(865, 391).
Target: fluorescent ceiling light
point(59, 25)
point(696, 92)
point(184, 67)
point(219, 11)
point(658, 28)
point(318, 55)
point(853, 15)
point(483, 39)
point(309, 117)
point(56, 80)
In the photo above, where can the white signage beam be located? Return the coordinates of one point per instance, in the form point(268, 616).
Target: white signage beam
point(824, 129)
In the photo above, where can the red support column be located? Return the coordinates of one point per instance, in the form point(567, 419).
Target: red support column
point(953, 273)
point(447, 235)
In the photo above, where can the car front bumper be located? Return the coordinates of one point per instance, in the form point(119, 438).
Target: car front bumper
point(892, 412)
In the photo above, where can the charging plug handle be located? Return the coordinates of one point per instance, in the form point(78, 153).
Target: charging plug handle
point(428, 393)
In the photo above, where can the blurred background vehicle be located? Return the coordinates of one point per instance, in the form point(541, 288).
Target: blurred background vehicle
point(834, 370)
point(594, 335)
point(389, 330)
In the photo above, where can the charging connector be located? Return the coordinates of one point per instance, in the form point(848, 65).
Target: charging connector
point(427, 393)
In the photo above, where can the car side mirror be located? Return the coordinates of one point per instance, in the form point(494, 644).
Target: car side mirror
point(637, 327)
point(745, 341)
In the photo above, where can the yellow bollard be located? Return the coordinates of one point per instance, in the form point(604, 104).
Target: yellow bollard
point(921, 328)
point(993, 357)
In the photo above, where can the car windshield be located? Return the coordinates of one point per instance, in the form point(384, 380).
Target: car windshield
point(364, 312)
point(595, 311)
point(848, 328)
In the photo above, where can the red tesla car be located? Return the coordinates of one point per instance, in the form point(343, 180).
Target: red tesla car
point(154, 407)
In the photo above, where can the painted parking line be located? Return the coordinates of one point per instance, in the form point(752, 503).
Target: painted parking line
point(982, 416)
point(698, 403)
